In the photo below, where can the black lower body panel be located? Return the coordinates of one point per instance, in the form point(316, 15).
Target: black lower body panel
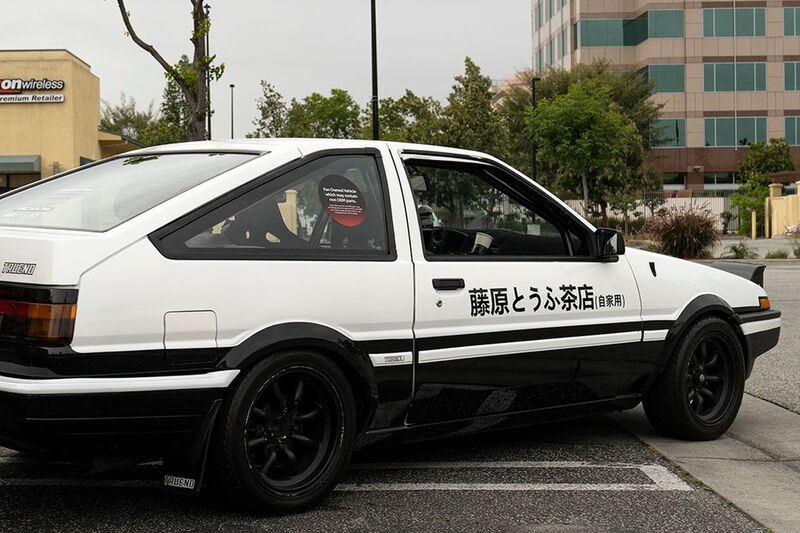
point(121, 424)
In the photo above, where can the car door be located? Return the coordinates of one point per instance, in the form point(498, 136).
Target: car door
point(510, 305)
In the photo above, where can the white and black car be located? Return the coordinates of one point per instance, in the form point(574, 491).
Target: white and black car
point(254, 310)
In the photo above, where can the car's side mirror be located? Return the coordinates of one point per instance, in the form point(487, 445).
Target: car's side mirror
point(609, 244)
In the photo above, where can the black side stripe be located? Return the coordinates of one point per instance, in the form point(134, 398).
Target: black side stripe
point(499, 337)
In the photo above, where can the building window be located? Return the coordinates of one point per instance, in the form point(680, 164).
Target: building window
point(719, 22)
point(791, 76)
point(612, 32)
point(791, 21)
point(672, 132)
point(667, 78)
point(720, 180)
point(561, 4)
point(665, 23)
point(539, 60)
point(564, 41)
point(719, 77)
point(674, 180)
point(538, 15)
point(549, 11)
point(792, 130)
point(747, 130)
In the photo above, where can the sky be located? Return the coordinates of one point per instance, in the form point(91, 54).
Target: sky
point(300, 46)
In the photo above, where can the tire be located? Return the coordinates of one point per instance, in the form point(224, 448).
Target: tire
point(699, 393)
point(285, 434)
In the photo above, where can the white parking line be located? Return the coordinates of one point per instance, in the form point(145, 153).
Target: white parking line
point(662, 478)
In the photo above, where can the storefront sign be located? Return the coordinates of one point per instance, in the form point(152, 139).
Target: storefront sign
point(19, 91)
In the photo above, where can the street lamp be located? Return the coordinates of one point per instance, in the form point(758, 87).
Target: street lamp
point(207, 8)
point(375, 130)
point(232, 86)
point(534, 172)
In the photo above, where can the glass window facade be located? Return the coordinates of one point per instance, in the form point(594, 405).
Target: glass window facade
point(674, 180)
point(549, 9)
point(672, 132)
point(538, 16)
point(719, 22)
point(612, 32)
point(549, 52)
point(667, 78)
point(721, 77)
point(791, 76)
point(723, 132)
point(792, 124)
point(791, 21)
point(665, 23)
point(720, 178)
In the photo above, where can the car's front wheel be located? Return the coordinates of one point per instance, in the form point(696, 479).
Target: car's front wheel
point(285, 434)
point(698, 394)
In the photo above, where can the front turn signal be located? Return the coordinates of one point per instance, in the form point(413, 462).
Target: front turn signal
point(763, 303)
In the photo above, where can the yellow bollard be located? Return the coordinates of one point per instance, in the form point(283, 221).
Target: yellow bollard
point(753, 224)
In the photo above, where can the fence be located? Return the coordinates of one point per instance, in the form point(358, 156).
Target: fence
point(651, 201)
point(781, 211)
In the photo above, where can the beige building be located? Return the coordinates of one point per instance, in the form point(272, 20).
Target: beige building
point(727, 72)
point(49, 116)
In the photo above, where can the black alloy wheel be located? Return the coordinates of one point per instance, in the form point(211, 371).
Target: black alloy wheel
point(284, 433)
point(698, 395)
point(708, 378)
point(290, 425)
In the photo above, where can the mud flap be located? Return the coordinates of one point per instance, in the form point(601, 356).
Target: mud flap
point(185, 462)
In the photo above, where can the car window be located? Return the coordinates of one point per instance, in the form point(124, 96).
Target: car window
point(102, 196)
point(468, 210)
point(332, 205)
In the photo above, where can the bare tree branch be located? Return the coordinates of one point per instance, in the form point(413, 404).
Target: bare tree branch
point(145, 46)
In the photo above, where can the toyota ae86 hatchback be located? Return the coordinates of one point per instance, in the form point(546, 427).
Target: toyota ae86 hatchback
point(252, 311)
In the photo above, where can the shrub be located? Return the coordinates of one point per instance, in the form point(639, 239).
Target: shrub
point(650, 247)
point(635, 223)
point(740, 251)
point(686, 232)
point(777, 254)
point(797, 253)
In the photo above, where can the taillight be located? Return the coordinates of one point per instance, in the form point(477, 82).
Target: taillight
point(35, 321)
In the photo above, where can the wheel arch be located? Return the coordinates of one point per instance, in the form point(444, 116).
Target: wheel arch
point(344, 352)
point(701, 307)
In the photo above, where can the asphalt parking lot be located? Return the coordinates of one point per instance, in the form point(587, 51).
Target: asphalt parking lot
point(587, 475)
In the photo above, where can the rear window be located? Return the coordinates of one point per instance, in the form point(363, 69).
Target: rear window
point(106, 195)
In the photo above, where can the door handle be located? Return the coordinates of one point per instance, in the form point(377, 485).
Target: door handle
point(448, 284)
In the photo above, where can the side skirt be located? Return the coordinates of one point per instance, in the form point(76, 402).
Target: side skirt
point(493, 422)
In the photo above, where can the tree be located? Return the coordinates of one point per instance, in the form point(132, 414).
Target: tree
point(586, 143)
point(334, 116)
point(627, 89)
point(272, 112)
point(468, 120)
point(410, 118)
point(512, 106)
point(172, 125)
point(124, 119)
point(761, 159)
point(190, 76)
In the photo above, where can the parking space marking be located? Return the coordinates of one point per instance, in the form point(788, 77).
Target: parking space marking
point(662, 478)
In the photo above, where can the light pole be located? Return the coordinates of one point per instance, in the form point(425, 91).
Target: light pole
point(534, 172)
point(207, 7)
point(375, 130)
point(232, 86)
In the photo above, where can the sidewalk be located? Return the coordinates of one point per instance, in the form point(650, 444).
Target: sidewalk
point(762, 246)
point(756, 465)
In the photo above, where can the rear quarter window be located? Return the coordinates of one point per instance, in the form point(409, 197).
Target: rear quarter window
point(102, 196)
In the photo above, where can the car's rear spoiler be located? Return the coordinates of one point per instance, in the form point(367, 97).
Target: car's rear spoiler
point(754, 273)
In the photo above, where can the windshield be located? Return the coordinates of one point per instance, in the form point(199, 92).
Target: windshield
point(103, 196)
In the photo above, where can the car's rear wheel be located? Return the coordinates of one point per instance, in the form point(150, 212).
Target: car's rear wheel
point(698, 394)
point(285, 434)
